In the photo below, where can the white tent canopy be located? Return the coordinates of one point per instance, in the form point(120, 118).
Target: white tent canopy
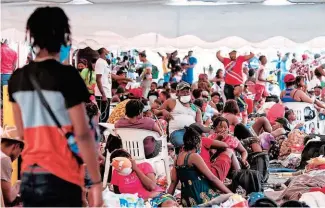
point(156, 25)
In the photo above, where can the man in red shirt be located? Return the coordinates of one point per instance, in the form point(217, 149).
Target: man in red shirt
point(233, 71)
point(8, 62)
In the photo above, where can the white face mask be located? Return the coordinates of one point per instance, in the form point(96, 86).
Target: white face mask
point(185, 99)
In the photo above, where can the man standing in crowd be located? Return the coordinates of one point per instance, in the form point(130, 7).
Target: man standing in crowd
point(146, 75)
point(51, 173)
point(233, 71)
point(166, 71)
point(8, 62)
point(103, 89)
point(11, 147)
point(188, 75)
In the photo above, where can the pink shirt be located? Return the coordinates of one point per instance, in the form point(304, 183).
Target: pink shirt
point(8, 59)
point(131, 184)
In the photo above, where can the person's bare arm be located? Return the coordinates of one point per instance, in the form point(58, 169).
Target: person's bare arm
point(243, 152)
point(148, 181)
point(174, 181)
point(199, 163)
point(219, 144)
point(99, 85)
point(85, 140)
point(157, 129)
point(120, 78)
point(251, 55)
point(9, 193)
point(198, 117)
point(219, 57)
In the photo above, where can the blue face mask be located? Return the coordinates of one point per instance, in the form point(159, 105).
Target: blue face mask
point(64, 53)
point(108, 56)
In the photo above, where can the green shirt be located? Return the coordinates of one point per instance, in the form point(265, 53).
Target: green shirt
point(90, 79)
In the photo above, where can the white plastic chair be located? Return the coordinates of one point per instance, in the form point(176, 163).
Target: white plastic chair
point(132, 141)
point(299, 108)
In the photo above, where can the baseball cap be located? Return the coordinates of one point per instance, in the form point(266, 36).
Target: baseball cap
point(289, 78)
point(137, 92)
point(284, 122)
point(11, 133)
point(183, 85)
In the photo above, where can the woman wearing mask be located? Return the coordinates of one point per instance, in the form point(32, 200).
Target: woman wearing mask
point(180, 113)
point(141, 180)
point(199, 184)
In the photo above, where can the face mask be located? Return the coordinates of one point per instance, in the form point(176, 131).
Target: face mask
point(108, 56)
point(64, 53)
point(185, 99)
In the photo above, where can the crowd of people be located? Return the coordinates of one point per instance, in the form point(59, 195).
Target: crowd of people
point(217, 127)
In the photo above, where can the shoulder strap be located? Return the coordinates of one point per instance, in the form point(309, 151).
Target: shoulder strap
point(293, 96)
point(46, 105)
point(186, 158)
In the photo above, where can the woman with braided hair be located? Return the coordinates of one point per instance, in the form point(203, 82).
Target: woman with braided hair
point(199, 184)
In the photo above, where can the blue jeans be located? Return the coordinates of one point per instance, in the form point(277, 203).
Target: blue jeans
point(41, 189)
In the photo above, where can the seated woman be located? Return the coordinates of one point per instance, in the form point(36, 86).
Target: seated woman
point(134, 118)
point(199, 184)
point(226, 158)
point(290, 94)
point(221, 127)
point(141, 180)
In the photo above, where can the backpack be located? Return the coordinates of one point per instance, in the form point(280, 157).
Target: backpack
point(260, 161)
point(311, 150)
point(249, 180)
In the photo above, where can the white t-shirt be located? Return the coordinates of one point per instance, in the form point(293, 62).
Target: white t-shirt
point(103, 68)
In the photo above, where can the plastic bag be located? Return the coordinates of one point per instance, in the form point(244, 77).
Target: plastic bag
point(235, 201)
point(121, 200)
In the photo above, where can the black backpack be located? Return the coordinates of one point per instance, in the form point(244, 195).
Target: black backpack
point(260, 161)
point(249, 180)
point(311, 150)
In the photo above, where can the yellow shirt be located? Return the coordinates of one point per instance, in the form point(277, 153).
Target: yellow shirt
point(164, 65)
point(118, 112)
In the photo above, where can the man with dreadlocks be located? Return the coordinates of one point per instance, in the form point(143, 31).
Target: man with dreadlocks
point(51, 175)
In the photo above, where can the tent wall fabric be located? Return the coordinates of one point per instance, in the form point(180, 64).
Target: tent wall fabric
point(153, 26)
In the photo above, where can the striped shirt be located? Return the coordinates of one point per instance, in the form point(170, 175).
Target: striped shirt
point(63, 88)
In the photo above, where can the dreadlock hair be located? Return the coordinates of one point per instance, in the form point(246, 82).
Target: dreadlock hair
point(191, 139)
point(116, 153)
point(48, 28)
